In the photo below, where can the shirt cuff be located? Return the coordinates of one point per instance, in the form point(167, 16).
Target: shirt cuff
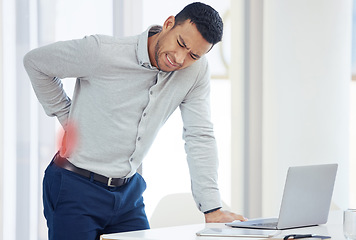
point(212, 210)
point(208, 201)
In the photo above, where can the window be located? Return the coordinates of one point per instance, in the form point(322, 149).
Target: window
point(29, 134)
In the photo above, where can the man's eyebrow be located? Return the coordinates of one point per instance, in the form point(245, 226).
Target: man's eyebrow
point(184, 44)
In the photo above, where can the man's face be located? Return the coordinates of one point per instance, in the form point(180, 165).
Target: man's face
point(179, 47)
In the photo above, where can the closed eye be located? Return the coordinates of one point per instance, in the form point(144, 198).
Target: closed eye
point(192, 55)
point(180, 44)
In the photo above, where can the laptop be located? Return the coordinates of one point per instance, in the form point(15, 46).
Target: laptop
point(306, 199)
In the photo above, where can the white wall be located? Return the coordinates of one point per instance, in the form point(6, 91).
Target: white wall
point(1, 122)
point(306, 62)
point(8, 120)
point(352, 187)
point(306, 77)
point(237, 76)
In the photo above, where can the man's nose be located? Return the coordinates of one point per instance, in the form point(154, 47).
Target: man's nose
point(180, 56)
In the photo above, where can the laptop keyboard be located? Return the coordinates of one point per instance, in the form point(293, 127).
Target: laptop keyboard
point(270, 224)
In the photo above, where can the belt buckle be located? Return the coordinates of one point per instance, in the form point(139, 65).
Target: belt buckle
point(109, 182)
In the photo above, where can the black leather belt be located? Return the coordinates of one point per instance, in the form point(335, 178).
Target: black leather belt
point(111, 182)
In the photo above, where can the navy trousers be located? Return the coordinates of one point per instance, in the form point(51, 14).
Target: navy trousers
point(80, 208)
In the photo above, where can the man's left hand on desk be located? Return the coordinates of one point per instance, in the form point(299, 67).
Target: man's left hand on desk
point(222, 216)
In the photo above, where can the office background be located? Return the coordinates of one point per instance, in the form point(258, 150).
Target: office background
point(282, 95)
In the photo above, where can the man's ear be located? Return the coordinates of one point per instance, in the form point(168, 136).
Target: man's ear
point(169, 23)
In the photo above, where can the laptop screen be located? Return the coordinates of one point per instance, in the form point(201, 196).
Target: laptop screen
point(307, 195)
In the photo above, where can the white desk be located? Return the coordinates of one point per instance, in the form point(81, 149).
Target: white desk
point(333, 228)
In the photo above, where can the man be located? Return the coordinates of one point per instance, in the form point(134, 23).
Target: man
point(126, 89)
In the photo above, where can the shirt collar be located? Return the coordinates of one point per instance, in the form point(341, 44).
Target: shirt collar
point(142, 48)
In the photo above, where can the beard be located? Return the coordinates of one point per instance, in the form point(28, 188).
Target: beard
point(157, 54)
point(159, 58)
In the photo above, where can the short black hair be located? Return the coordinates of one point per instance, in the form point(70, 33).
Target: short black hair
point(206, 19)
